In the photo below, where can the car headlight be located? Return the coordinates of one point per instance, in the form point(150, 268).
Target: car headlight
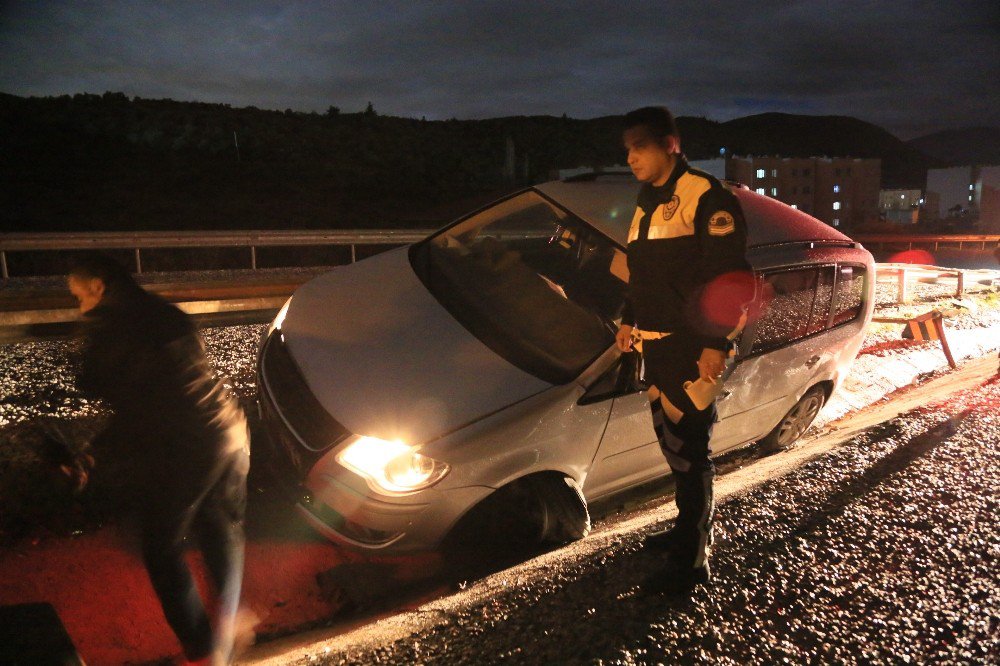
point(391, 467)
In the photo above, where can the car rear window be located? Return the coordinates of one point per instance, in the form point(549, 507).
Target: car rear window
point(849, 297)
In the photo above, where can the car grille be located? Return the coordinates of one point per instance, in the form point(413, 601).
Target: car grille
point(283, 384)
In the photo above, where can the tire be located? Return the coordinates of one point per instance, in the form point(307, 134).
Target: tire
point(796, 421)
point(540, 510)
point(565, 516)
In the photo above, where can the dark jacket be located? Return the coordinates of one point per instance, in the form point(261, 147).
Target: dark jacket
point(685, 235)
point(144, 357)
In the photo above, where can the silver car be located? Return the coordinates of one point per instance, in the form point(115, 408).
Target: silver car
point(475, 373)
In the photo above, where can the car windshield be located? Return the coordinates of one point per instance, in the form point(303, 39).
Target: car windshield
point(531, 281)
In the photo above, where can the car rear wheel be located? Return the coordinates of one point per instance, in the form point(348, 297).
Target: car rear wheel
point(796, 421)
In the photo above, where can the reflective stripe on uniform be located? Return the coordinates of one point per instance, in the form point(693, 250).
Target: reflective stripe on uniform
point(704, 520)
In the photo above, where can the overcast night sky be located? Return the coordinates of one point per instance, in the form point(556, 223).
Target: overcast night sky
point(911, 67)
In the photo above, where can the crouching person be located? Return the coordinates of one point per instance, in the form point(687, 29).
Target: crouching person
point(187, 435)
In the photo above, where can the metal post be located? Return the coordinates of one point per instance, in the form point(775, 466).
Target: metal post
point(138, 262)
point(3, 265)
point(961, 284)
point(901, 286)
point(253, 257)
point(939, 324)
point(354, 256)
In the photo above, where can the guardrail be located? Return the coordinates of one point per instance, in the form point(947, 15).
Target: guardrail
point(147, 240)
point(911, 240)
point(905, 274)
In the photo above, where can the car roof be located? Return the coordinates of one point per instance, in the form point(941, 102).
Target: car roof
point(608, 203)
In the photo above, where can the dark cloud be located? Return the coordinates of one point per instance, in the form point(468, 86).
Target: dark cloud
point(912, 67)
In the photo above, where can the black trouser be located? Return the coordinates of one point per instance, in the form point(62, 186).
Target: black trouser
point(667, 364)
point(210, 508)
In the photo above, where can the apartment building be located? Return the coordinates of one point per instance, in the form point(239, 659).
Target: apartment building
point(902, 206)
point(843, 192)
point(971, 192)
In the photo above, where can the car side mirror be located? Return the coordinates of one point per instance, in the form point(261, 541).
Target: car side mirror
point(622, 378)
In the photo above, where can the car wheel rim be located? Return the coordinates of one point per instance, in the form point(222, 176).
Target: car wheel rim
point(798, 420)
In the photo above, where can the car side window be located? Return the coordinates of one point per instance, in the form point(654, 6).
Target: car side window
point(849, 297)
point(820, 315)
point(793, 304)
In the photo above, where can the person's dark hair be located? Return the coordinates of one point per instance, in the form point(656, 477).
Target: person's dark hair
point(115, 277)
point(657, 119)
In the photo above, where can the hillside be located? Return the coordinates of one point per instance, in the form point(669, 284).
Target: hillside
point(110, 162)
point(975, 145)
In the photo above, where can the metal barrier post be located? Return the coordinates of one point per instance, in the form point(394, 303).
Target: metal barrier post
point(901, 286)
point(961, 284)
point(353, 254)
point(138, 262)
point(253, 257)
point(939, 324)
point(3, 265)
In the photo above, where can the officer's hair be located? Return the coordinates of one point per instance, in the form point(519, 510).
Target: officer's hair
point(657, 119)
point(90, 265)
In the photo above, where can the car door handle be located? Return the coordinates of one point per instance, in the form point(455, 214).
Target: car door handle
point(813, 361)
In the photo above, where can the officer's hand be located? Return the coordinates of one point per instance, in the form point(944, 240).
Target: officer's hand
point(711, 364)
point(623, 338)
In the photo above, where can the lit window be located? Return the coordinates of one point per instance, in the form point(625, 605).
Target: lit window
point(921, 200)
point(760, 190)
point(774, 191)
point(836, 221)
point(836, 188)
point(836, 205)
point(902, 196)
point(774, 173)
point(970, 197)
point(971, 187)
point(761, 173)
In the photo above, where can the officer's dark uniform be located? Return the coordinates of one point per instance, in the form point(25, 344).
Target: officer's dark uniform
point(685, 235)
point(188, 439)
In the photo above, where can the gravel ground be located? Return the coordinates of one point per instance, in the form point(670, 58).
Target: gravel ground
point(886, 555)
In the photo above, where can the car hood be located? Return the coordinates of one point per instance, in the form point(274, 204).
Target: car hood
point(387, 360)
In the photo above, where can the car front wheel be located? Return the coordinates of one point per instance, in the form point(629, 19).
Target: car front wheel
point(544, 509)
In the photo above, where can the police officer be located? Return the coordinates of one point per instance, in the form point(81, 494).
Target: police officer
point(688, 277)
point(186, 437)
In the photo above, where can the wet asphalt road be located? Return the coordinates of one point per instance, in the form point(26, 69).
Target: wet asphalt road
point(882, 551)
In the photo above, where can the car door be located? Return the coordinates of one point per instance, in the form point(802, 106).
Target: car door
point(628, 453)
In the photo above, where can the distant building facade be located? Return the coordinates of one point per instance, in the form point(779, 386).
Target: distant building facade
point(902, 206)
point(966, 191)
point(715, 167)
point(987, 188)
point(843, 192)
point(954, 190)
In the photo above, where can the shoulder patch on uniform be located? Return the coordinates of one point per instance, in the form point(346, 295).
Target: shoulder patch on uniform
point(670, 207)
point(721, 223)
